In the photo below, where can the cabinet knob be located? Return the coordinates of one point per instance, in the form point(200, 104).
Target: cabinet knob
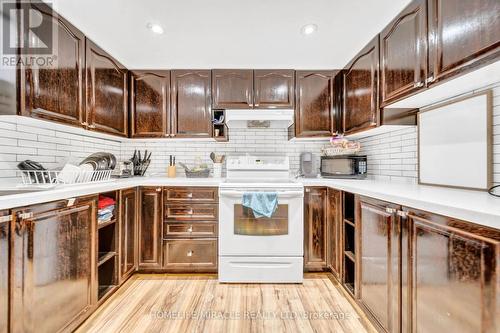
point(190, 195)
point(85, 123)
point(190, 212)
point(430, 79)
point(158, 189)
point(308, 190)
point(92, 126)
point(190, 253)
point(190, 229)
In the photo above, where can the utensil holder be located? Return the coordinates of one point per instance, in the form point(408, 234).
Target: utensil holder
point(171, 171)
point(217, 170)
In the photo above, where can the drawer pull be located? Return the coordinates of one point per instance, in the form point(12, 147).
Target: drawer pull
point(190, 253)
point(190, 229)
point(190, 195)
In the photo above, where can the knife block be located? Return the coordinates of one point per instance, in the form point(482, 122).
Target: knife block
point(171, 171)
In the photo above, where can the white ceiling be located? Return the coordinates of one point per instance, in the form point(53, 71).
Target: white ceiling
point(231, 33)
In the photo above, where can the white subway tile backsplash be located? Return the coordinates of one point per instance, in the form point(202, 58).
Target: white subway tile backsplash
point(391, 156)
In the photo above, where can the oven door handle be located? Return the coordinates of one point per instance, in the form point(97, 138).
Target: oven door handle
point(281, 195)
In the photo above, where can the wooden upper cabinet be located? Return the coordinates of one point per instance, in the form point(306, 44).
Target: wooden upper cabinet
point(107, 92)
point(232, 88)
point(56, 92)
point(360, 97)
point(150, 103)
point(463, 35)
point(403, 52)
point(314, 105)
point(315, 228)
point(274, 89)
point(191, 113)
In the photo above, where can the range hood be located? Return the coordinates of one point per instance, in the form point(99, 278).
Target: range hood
point(250, 118)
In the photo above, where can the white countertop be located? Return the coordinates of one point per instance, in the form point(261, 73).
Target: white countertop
point(473, 206)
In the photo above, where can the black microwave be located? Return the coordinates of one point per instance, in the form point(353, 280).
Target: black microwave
point(345, 166)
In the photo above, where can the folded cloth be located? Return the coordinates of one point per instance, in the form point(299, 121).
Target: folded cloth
point(263, 204)
point(105, 202)
point(109, 209)
point(106, 217)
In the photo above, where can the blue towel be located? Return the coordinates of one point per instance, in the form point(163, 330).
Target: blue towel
point(263, 204)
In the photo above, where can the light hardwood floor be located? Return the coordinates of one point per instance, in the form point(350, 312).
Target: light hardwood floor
point(167, 303)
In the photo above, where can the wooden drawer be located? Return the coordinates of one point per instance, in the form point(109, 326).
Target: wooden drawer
point(191, 194)
point(190, 230)
point(194, 212)
point(190, 255)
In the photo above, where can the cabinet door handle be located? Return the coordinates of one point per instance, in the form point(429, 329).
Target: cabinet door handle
point(190, 253)
point(308, 190)
point(190, 212)
point(390, 210)
point(158, 189)
point(190, 229)
point(190, 195)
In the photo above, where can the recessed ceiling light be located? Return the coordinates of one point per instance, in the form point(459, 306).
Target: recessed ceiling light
point(309, 29)
point(156, 28)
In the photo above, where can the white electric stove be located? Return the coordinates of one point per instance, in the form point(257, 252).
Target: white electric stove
point(260, 250)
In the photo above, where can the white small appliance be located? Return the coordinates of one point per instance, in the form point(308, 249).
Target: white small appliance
point(260, 250)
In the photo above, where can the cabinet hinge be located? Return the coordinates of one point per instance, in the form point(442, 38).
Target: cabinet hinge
point(25, 216)
point(4, 219)
point(402, 213)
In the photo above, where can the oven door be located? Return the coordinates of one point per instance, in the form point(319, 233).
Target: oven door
point(241, 234)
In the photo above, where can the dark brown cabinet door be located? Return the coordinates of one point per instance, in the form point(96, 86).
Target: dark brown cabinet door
point(55, 92)
point(150, 104)
point(191, 113)
point(232, 88)
point(379, 266)
point(403, 52)
point(274, 89)
point(4, 270)
point(313, 112)
point(361, 109)
point(315, 228)
point(128, 233)
point(150, 224)
point(453, 275)
point(463, 35)
point(107, 92)
point(52, 258)
point(334, 211)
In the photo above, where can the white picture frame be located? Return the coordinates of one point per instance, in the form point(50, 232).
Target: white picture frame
point(455, 143)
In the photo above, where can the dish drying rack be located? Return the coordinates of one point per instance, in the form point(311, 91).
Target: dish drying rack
point(47, 177)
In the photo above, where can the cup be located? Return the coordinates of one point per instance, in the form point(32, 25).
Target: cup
point(171, 171)
point(216, 132)
point(217, 170)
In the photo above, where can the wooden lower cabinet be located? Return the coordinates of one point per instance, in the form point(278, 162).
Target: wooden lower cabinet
point(334, 212)
point(52, 274)
point(378, 258)
point(315, 229)
point(4, 270)
point(451, 277)
point(128, 233)
point(190, 255)
point(150, 223)
point(190, 229)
